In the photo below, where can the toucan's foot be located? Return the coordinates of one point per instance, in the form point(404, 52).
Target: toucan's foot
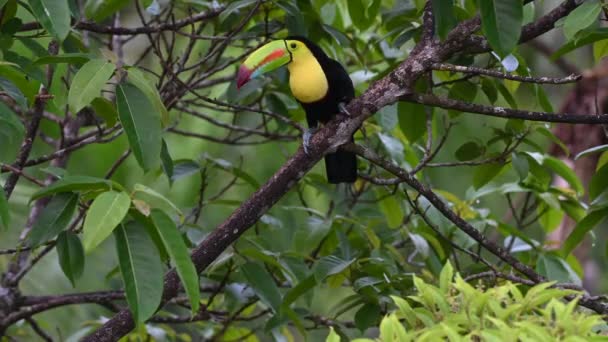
point(343, 110)
point(306, 138)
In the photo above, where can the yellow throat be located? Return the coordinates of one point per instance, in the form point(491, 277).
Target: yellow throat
point(307, 79)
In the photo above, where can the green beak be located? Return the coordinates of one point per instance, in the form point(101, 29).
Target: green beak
point(267, 58)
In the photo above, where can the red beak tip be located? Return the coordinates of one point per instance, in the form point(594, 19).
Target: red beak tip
point(242, 76)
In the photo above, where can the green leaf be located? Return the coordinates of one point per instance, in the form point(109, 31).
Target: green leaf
point(564, 171)
point(11, 132)
point(140, 120)
point(88, 83)
point(390, 207)
point(469, 150)
point(5, 215)
point(69, 58)
point(105, 213)
point(263, 284)
point(299, 290)
point(520, 164)
point(501, 22)
point(141, 269)
point(600, 50)
point(332, 337)
point(141, 80)
point(582, 228)
point(71, 256)
point(412, 120)
point(592, 150)
point(98, 10)
point(13, 92)
point(184, 168)
point(105, 109)
point(166, 160)
point(445, 278)
point(583, 38)
point(77, 183)
point(443, 11)
point(53, 15)
point(599, 182)
point(156, 199)
point(367, 316)
point(485, 173)
point(54, 218)
point(581, 18)
point(556, 269)
point(330, 265)
point(176, 247)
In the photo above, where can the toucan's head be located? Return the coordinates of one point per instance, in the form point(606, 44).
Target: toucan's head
point(271, 57)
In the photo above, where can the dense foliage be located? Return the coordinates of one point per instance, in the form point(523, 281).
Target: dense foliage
point(127, 155)
point(457, 311)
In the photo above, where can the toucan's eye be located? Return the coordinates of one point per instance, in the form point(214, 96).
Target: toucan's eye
point(293, 46)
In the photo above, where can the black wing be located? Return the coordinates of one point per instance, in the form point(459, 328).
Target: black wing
point(340, 82)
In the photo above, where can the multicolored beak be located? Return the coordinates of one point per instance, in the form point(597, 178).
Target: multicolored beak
point(265, 59)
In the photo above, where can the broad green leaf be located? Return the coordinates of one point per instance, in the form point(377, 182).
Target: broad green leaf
point(443, 11)
point(485, 173)
point(551, 218)
point(88, 83)
point(263, 284)
point(11, 133)
point(299, 290)
point(565, 172)
point(77, 183)
point(156, 199)
point(105, 213)
point(98, 10)
point(176, 247)
point(330, 265)
point(332, 337)
point(54, 218)
point(140, 120)
point(71, 256)
point(69, 58)
point(105, 109)
point(556, 269)
point(583, 38)
point(390, 207)
point(184, 168)
point(469, 150)
point(501, 22)
point(5, 216)
point(412, 120)
point(367, 316)
point(581, 18)
point(592, 150)
point(141, 269)
point(53, 15)
point(13, 92)
point(599, 182)
point(141, 80)
point(582, 228)
point(600, 50)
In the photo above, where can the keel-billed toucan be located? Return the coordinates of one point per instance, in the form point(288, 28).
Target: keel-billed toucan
point(319, 83)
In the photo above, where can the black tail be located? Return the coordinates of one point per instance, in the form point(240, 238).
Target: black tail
point(341, 167)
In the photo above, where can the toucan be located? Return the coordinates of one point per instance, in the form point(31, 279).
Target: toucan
point(320, 84)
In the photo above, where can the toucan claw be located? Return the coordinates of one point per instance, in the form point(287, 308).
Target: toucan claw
point(343, 110)
point(306, 138)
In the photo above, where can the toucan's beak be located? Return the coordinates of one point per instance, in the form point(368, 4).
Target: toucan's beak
point(265, 59)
